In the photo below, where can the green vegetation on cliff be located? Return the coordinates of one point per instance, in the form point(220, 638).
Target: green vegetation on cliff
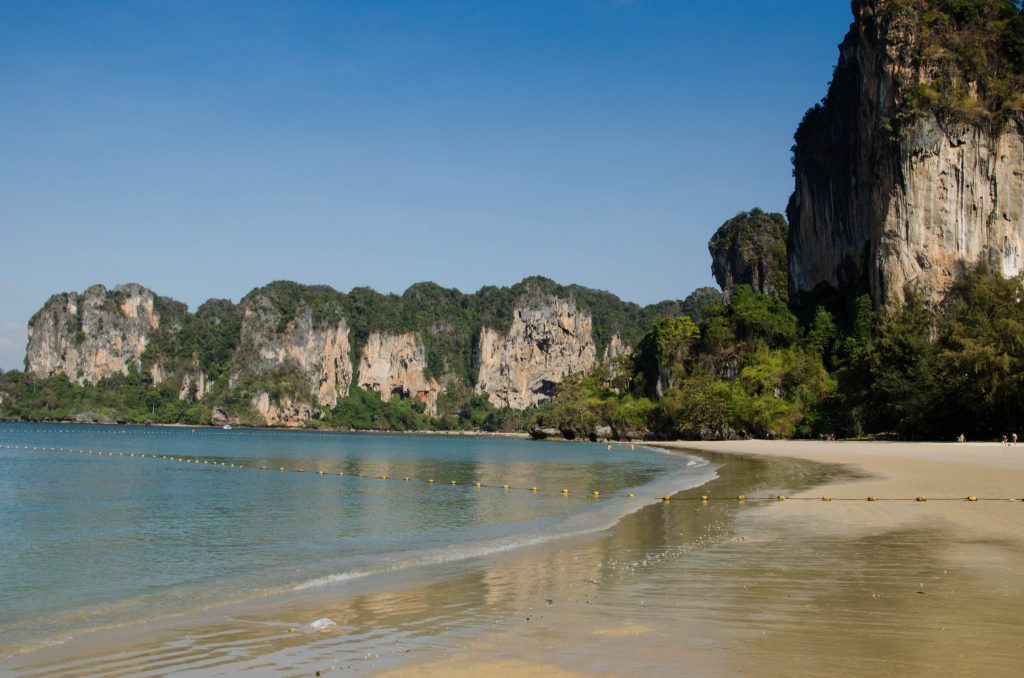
point(750, 249)
point(910, 372)
point(962, 60)
point(195, 363)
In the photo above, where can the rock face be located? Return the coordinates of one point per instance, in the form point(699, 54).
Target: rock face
point(548, 339)
point(93, 335)
point(285, 354)
point(616, 347)
point(194, 386)
point(284, 411)
point(319, 354)
point(750, 249)
point(892, 192)
point(396, 364)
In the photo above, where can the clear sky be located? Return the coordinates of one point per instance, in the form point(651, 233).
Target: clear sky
point(206, 148)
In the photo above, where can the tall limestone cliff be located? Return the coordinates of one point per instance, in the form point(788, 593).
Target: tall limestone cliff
point(549, 338)
point(288, 354)
point(912, 169)
point(90, 336)
point(396, 364)
point(307, 364)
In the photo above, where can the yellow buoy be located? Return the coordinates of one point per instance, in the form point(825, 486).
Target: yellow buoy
point(565, 490)
point(742, 497)
point(704, 497)
point(453, 482)
point(972, 498)
point(630, 495)
point(430, 480)
point(596, 493)
point(872, 498)
point(476, 484)
point(533, 489)
point(826, 498)
point(666, 498)
point(504, 487)
point(921, 499)
point(384, 477)
point(782, 497)
point(282, 468)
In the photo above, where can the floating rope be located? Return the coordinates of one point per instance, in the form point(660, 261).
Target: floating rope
point(505, 487)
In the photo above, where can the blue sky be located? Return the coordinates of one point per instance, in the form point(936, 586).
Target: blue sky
point(206, 148)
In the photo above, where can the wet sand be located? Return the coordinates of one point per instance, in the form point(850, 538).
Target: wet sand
point(806, 587)
point(717, 588)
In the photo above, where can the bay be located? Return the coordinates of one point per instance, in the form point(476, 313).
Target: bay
point(108, 526)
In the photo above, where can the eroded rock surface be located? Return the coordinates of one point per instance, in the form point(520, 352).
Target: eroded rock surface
point(890, 193)
point(396, 364)
point(93, 335)
point(548, 339)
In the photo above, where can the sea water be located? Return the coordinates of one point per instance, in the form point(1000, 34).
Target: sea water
point(94, 535)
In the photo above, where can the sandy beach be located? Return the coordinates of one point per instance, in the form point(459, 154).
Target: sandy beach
point(807, 587)
point(719, 588)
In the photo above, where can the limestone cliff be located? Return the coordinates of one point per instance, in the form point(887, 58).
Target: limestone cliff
point(549, 338)
point(93, 335)
point(750, 249)
point(284, 355)
point(616, 347)
point(396, 364)
point(284, 410)
point(195, 386)
point(311, 359)
point(912, 169)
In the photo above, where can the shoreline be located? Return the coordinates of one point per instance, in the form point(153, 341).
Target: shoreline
point(721, 588)
point(810, 587)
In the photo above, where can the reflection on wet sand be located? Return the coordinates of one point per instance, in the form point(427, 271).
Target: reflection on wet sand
point(684, 587)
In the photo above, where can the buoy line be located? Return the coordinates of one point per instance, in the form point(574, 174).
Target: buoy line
point(505, 487)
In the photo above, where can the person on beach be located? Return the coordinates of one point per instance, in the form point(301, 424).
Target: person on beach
point(1004, 441)
point(1013, 437)
point(961, 439)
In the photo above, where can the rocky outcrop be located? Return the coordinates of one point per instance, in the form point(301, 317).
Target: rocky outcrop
point(549, 338)
point(319, 353)
point(284, 354)
point(93, 335)
point(894, 189)
point(750, 249)
point(616, 347)
point(284, 411)
point(194, 386)
point(396, 364)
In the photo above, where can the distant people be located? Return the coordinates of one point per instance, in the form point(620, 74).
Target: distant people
point(961, 439)
point(1004, 441)
point(1013, 437)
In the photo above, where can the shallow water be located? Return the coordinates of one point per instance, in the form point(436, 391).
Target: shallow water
point(92, 541)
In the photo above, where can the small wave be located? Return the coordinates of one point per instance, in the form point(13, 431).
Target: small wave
point(575, 525)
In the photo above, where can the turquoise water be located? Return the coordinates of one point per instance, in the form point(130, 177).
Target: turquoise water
point(93, 537)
